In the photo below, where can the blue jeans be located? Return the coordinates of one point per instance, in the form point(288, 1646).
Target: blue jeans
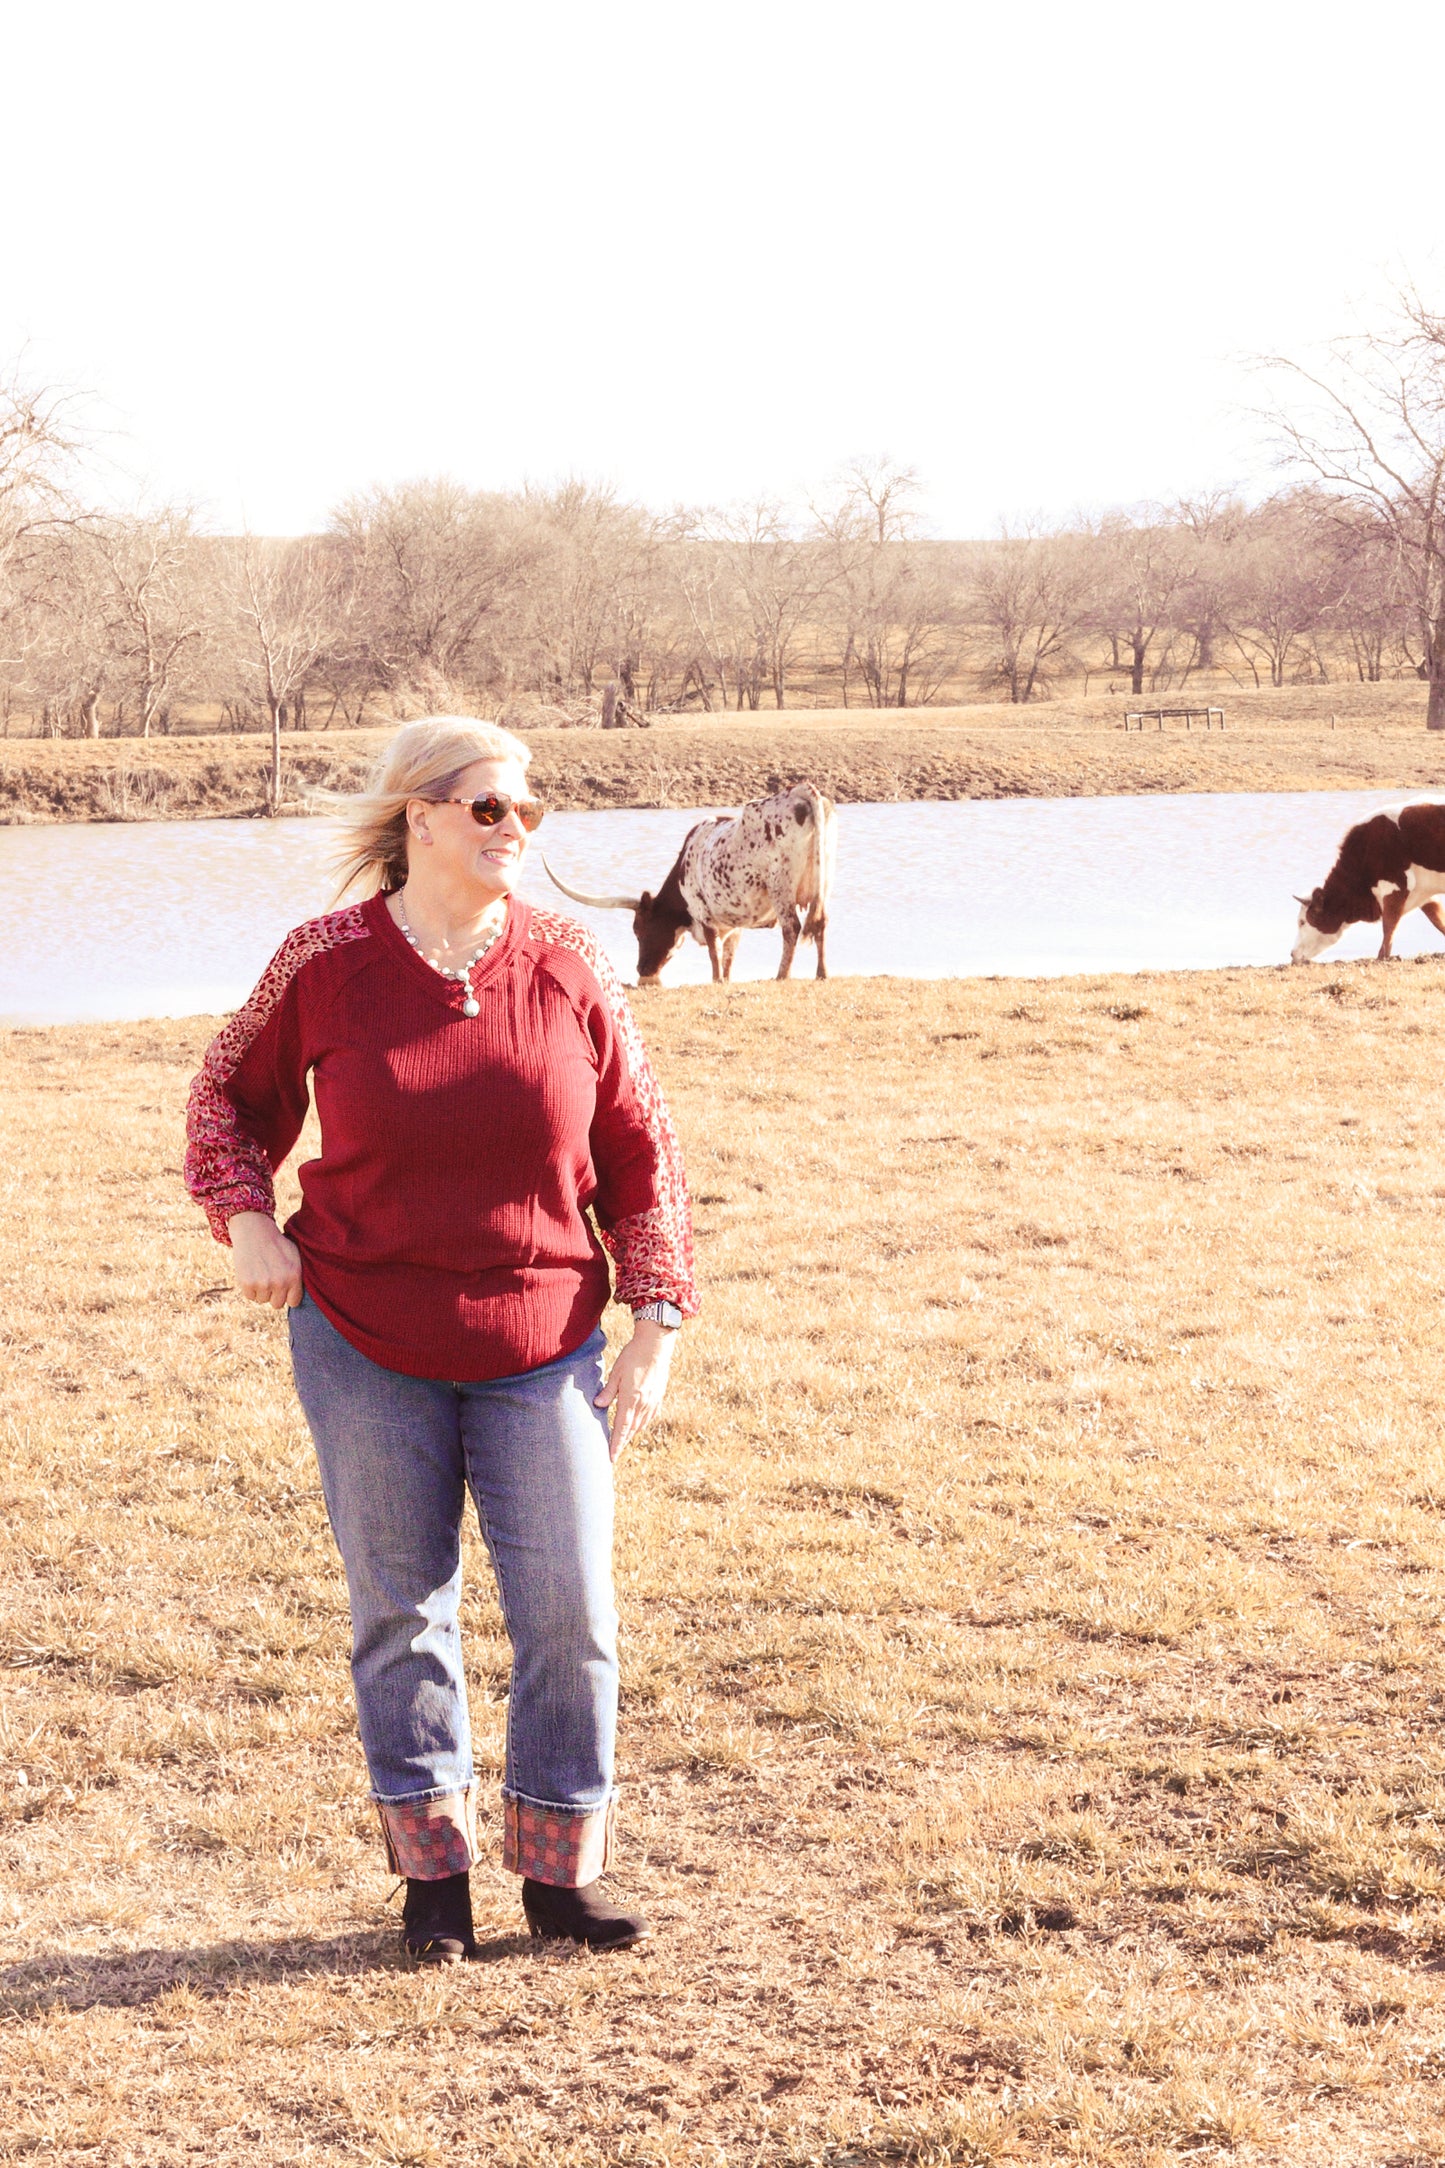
point(397, 1456)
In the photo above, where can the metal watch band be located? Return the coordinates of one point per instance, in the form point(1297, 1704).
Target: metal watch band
point(661, 1313)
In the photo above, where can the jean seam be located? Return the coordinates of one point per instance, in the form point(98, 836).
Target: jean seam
point(492, 1554)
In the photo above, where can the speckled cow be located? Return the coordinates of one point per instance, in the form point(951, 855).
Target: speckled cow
point(769, 865)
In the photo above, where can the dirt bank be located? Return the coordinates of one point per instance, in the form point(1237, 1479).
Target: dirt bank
point(1330, 738)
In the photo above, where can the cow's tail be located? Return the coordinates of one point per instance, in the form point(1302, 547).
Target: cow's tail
point(819, 876)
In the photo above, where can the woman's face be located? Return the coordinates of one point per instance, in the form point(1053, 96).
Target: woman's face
point(447, 844)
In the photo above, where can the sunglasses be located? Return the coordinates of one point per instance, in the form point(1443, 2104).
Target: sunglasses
point(494, 807)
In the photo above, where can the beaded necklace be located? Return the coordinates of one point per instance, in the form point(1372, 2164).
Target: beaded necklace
point(471, 1006)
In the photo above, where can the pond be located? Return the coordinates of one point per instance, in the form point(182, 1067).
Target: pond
point(177, 918)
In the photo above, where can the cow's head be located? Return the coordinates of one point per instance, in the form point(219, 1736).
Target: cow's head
point(1322, 919)
point(658, 923)
point(659, 928)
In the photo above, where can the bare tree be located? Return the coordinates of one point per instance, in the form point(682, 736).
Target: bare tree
point(590, 594)
point(1368, 607)
point(1032, 594)
point(436, 571)
point(723, 649)
point(1282, 587)
point(39, 450)
point(1209, 529)
point(70, 608)
point(779, 577)
point(1373, 432)
point(153, 578)
point(282, 600)
point(891, 604)
point(39, 445)
point(1141, 568)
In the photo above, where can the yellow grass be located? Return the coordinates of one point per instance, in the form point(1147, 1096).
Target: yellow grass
point(1032, 1706)
point(1068, 748)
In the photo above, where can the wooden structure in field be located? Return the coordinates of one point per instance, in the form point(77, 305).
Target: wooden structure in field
point(1138, 717)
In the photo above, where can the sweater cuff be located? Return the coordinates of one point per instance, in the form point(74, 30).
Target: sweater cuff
point(221, 1209)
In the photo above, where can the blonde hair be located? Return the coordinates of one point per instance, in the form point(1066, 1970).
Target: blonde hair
point(424, 760)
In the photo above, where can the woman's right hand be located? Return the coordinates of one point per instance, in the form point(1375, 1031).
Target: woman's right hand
point(268, 1266)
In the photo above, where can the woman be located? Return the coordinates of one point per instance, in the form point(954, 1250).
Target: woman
point(480, 1084)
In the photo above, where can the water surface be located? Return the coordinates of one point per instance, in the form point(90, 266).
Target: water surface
point(176, 918)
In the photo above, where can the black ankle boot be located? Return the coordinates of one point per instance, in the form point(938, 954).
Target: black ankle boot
point(436, 1921)
point(580, 1915)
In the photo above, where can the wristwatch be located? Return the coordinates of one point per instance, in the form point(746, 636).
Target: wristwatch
point(661, 1313)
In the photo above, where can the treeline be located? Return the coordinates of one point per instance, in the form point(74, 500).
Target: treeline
point(570, 605)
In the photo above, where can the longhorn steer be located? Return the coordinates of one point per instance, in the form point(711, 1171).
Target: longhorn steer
point(1392, 863)
point(769, 865)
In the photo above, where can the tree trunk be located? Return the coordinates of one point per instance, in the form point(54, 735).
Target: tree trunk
point(273, 781)
point(609, 705)
point(1435, 709)
point(90, 713)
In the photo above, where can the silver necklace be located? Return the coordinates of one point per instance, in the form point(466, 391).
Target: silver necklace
point(471, 1006)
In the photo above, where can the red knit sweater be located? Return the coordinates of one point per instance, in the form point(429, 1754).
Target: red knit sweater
point(444, 1228)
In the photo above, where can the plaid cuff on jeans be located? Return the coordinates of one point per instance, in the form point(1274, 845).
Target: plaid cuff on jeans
point(429, 1838)
point(549, 1845)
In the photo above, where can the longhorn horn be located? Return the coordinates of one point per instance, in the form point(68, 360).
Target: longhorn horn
point(1298, 899)
point(598, 903)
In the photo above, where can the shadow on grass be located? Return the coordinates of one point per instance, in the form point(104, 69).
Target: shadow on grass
point(128, 1979)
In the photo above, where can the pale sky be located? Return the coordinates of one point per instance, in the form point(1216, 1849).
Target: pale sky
point(703, 252)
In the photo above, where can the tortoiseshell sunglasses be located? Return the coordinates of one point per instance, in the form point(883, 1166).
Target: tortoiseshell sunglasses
point(494, 806)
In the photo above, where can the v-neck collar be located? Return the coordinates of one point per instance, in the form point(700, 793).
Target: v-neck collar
point(450, 991)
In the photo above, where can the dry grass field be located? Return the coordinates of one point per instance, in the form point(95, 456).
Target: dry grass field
point(1061, 749)
point(1033, 1602)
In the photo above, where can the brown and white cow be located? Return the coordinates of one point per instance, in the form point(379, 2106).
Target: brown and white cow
point(769, 865)
point(1392, 863)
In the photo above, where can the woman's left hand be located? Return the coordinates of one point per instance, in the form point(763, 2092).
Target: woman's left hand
point(634, 1390)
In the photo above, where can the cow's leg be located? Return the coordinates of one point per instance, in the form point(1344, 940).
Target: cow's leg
point(1433, 913)
point(729, 950)
point(719, 970)
point(820, 935)
point(1392, 909)
point(788, 927)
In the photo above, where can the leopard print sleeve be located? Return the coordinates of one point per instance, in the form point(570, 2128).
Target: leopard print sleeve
point(249, 1099)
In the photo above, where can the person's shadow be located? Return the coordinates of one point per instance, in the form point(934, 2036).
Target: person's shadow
point(127, 1979)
